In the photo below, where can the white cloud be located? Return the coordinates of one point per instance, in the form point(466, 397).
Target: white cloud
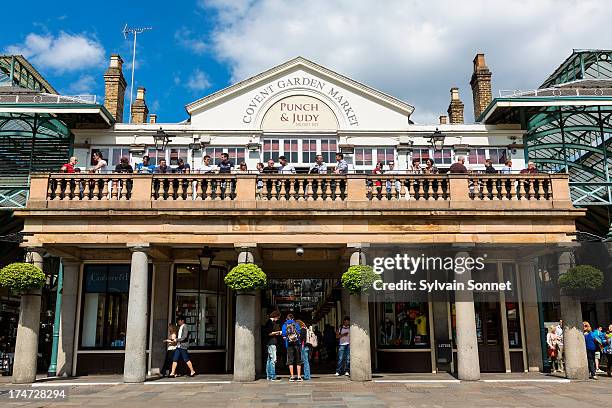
point(186, 39)
point(414, 50)
point(64, 52)
point(198, 81)
point(84, 85)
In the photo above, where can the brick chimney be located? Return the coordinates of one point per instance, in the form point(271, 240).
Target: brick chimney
point(455, 108)
point(481, 85)
point(153, 118)
point(114, 87)
point(139, 107)
point(443, 120)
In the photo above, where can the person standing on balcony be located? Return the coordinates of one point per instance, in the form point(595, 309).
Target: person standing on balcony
point(507, 169)
point(163, 168)
point(182, 168)
point(531, 169)
point(458, 167)
point(70, 166)
point(416, 167)
point(389, 185)
point(100, 163)
point(319, 166)
point(489, 169)
point(341, 164)
point(145, 167)
point(225, 167)
point(430, 167)
point(270, 169)
point(285, 166)
point(207, 166)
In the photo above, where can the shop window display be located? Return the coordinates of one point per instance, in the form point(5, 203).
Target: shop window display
point(404, 325)
point(200, 297)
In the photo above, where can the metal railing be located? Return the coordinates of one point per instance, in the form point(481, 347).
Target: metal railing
point(47, 98)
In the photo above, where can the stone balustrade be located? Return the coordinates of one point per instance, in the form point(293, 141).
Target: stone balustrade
point(397, 190)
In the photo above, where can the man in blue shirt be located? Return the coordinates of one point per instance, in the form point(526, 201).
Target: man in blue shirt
point(145, 167)
point(291, 335)
point(590, 341)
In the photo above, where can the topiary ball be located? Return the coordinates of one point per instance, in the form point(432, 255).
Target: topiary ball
point(359, 279)
point(246, 277)
point(581, 279)
point(22, 277)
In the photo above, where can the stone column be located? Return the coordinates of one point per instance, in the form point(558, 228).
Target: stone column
point(361, 358)
point(468, 363)
point(135, 365)
point(26, 344)
point(67, 336)
point(245, 331)
point(531, 314)
point(574, 349)
point(160, 314)
point(244, 335)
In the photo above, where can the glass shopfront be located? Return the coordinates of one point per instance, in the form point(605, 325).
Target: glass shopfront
point(403, 325)
point(200, 296)
point(104, 306)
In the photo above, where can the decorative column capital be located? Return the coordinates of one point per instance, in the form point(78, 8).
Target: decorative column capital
point(139, 247)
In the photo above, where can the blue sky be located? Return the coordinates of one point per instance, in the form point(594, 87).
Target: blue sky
point(411, 49)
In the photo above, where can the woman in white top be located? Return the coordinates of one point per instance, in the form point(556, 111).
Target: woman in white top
point(170, 347)
point(100, 163)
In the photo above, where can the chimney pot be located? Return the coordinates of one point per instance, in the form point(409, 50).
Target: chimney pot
point(481, 85)
point(140, 93)
point(140, 111)
point(455, 108)
point(443, 120)
point(153, 118)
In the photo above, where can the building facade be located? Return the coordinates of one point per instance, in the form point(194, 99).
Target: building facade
point(130, 243)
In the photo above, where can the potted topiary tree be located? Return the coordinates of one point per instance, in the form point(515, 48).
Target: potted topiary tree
point(245, 279)
point(27, 280)
point(358, 280)
point(576, 283)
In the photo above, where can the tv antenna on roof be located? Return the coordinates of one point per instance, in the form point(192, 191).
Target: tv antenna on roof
point(127, 30)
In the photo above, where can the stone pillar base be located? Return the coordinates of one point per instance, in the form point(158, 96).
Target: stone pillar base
point(361, 360)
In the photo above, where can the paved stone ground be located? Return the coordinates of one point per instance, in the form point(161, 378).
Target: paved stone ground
point(417, 391)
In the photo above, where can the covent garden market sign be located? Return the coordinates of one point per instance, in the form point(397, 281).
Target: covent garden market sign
point(299, 111)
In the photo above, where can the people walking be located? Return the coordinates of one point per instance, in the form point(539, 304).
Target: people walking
point(344, 353)
point(272, 331)
point(291, 335)
point(561, 356)
point(608, 350)
point(182, 345)
point(600, 338)
point(170, 347)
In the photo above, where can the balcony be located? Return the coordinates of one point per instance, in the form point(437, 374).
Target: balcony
point(228, 192)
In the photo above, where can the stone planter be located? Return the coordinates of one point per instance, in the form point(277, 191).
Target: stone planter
point(361, 360)
point(245, 332)
point(26, 345)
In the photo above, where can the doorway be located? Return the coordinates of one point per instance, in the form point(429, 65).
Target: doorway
point(489, 335)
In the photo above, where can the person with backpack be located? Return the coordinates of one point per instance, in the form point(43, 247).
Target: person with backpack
point(291, 335)
point(309, 343)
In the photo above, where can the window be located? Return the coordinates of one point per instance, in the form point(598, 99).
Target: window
point(512, 307)
point(155, 156)
point(363, 156)
point(445, 156)
point(200, 297)
point(498, 155)
point(309, 150)
point(385, 155)
point(271, 149)
point(178, 153)
point(403, 325)
point(105, 306)
point(290, 150)
point(236, 154)
point(118, 153)
point(329, 148)
point(477, 156)
point(421, 154)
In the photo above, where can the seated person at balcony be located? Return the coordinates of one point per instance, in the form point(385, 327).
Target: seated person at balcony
point(124, 166)
point(458, 167)
point(225, 165)
point(319, 166)
point(430, 167)
point(163, 168)
point(270, 169)
point(392, 171)
point(145, 167)
point(242, 168)
point(416, 167)
point(182, 168)
point(207, 166)
point(70, 166)
point(507, 169)
point(341, 164)
point(100, 163)
point(285, 166)
point(531, 169)
point(489, 169)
